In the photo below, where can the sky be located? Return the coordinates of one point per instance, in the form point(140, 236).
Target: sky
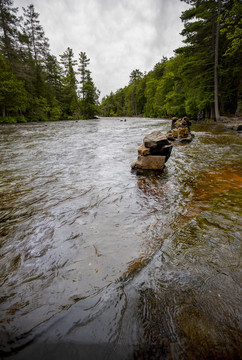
point(117, 35)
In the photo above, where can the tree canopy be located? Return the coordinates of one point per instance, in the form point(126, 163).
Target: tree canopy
point(35, 85)
point(204, 76)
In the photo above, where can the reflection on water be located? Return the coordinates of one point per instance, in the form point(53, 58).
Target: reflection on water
point(97, 259)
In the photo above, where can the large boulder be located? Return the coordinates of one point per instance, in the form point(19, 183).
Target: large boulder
point(156, 139)
point(163, 151)
point(180, 130)
point(183, 122)
point(153, 153)
point(150, 162)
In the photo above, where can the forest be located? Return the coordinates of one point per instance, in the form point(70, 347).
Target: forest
point(202, 79)
point(34, 85)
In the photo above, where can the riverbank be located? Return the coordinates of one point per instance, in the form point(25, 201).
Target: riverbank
point(232, 123)
point(228, 123)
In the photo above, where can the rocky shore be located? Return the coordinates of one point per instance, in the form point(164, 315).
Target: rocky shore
point(234, 123)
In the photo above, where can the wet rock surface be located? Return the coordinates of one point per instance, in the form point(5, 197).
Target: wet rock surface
point(154, 152)
point(156, 148)
point(150, 162)
point(180, 130)
point(155, 140)
point(234, 123)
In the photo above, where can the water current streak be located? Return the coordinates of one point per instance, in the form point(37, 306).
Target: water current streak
point(99, 262)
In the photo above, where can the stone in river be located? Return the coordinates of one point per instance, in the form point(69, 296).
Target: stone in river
point(183, 132)
point(163, 151)
point(155, 139)
point(143, 151)
point(150, 162)
point(175, 133)
point(166, 151)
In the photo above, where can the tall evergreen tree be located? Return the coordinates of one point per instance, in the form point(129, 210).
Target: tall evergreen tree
point(89, 93)
point(69, 92)
point(35, 45)
point(36, 41)
point(53, 75)
point(9, 31)
point(33, 82)
point(13, 96)
point(202, 23)
point(83, 64)
point(134, 77)
point(231, 31)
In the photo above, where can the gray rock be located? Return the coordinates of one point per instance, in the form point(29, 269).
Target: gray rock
point(150, 162)
point(155, 140)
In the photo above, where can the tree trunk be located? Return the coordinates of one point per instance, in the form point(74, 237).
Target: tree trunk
point(216, 107)
point(238, 111)
point(212, 114)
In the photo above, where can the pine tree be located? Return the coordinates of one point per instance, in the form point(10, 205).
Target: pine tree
point(13, 96)
point(84, 62)
point(36, 41)
point(35, 49)
point(53, 75)
point(69, 81)
point(231, 31)
point(134, 77)
point(9, 31)
point(203, 51)
point(89, 93)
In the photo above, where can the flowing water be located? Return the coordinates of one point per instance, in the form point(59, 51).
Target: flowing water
point(101, 262)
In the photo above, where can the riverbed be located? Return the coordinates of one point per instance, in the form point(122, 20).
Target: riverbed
point(102, 262)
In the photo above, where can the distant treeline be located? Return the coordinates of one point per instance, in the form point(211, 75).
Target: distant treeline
point(204, 76)
point(34, 85)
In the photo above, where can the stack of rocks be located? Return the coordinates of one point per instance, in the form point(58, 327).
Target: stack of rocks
point(180, 130)
point(154, 152)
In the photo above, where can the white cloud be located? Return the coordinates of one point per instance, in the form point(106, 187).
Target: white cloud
point(117, 35)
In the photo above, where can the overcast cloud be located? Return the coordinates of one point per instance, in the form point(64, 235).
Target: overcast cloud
point(117, 35)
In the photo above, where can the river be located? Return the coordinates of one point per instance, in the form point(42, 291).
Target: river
point(98, 261)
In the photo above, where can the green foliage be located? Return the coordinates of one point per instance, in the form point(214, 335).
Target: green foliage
point(32, 81)
point(55, 112)
point(185, 84)
point(9, 33)
point(38, 110)
point(12, 119)
point(13, 96)
point(34, 84)
point(232, 28)
point(135, 75)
